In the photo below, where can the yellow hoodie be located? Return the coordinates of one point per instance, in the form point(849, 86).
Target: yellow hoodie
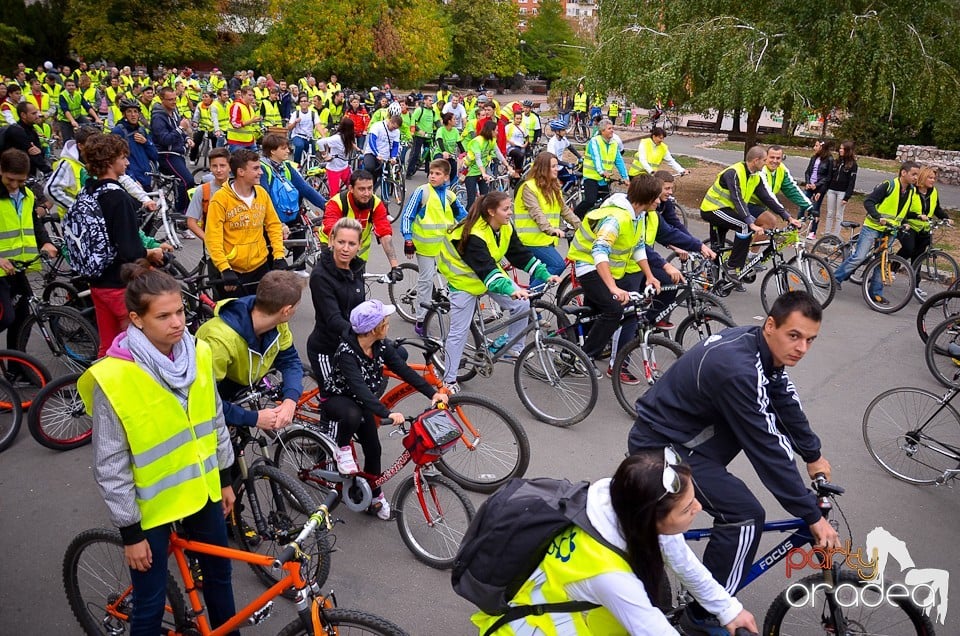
point(234, 232)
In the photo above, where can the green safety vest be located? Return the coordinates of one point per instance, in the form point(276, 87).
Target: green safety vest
point(775, 181)
point(206, 121)
point(580, 102)
point(271, 113)
point(621, 253)
point(74, 105)
point(573, 556)
point(718, 197)
point(366, 236)
point(888, 207)
point(429, 229)
point(17, 240)
point(913, 216)
point(459, 275)
point(74, 190)
point(485, 149)
point(173, 451)
point(654, 155)
point(528, 231)
point(423, 120)
point(608, 157)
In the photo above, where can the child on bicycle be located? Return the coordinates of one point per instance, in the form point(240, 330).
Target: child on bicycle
point(352, 388)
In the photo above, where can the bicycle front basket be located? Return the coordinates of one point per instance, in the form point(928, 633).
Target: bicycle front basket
point(431, 435)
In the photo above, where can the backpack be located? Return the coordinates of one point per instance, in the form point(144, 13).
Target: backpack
point(89, 247)
point(285, 197)
point(510, 536)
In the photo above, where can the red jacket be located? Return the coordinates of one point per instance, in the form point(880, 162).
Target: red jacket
point(378, 216)
point(360, 117)
point(501, 131)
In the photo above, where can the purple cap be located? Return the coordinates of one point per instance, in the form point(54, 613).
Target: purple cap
point(367, 315)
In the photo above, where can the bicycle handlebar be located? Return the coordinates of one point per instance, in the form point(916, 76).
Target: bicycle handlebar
point(320, 516)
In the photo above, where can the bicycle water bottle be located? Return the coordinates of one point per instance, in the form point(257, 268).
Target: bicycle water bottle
point(498, 344)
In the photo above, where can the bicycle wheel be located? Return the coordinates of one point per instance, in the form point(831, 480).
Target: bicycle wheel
point(96, 579)
point(284, 507)
point(403, 294)
point(913, 434)
point(936, 271)
point(681, 213)
point(57, 418)
point(897, 284)
point(11, 414)
point(802, 609)
point(942, 352)
point(397, 192)
point(662, 352)
point(817, 271)
point(432, 531)
point(61, 293)
point(436, 325)
point(73, 344)
point(935, 310)
point(668, 124)
point(780, 280)
point(700, 326)
point(832, 249)
point(346, 622)
point(556, 381)
point(301, 450)
point(498, 451)
point(553, 321)
point(27, 375)
point(645, 124)
point(708, 300)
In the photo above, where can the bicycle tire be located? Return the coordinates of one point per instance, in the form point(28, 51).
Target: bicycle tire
point(581, 133)
point(700, 326)
point(397, 190)
point(57, 419)
point(936, 271)
point(448, 524)
point(501, 450)
point(299, 451)
point(818, 273)
point(564, 287)
point(681, 213)
point(403, 295)
point(645, 124)
point(436, 325)
point(668, 124)
point(899, 293)
point(346, 622)
point(59, 293)
point(708, 300)
point(290, 507)
point(944, 365)
point(664, 352)
point(832, 249)
point(876, 616)
point(11, 414)
point(76, 341)
point(26, 373)
point(567, 376)
point(573, 297)
point(112, 576)
point(892, 433)
point(779, 280)
point(553, 320)
point(943, 305)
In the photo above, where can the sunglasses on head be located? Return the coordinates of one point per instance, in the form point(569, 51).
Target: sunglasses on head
point(671, 478)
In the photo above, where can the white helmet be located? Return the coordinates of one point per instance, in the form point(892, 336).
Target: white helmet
point(394, 108)
point(48, 65)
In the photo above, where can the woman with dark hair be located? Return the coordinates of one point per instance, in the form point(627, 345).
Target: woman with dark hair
point(480, 153)
point(339, 146)
point(361, 118)
point(643, 512)
point(817, 178)
point(843, 180)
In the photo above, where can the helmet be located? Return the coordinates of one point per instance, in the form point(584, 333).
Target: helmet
point(374, 89)
point(527, 103)
point(127, 104)
point(394, 108)
point(48, 65)
point(556, 124)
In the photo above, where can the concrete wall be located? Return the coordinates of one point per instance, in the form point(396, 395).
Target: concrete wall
point(947, 162)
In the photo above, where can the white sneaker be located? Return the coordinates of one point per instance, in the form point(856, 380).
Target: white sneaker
point(187, 235)
point(346, 464)
point(302, 273)
point(452, 388)
point(380, 507)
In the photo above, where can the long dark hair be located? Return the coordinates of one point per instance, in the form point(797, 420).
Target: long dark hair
point(347, 135)
point(826, 147)
point(849, 157)
point(482, 207)
point(635, 494)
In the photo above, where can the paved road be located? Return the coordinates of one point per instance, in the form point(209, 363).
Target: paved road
point(49, 497)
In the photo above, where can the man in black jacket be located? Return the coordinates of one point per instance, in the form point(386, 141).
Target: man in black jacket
point(171, 135)
point(23, 136)
point(731, 393)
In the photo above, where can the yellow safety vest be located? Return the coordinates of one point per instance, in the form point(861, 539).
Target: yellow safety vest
point(260, 94)
point(428, 230)
point(45, 132)
point(206, 121)
point(580, 102)
point(183, 106)
point(117, 118)
point(271, 113)
point(44, 104)
point(193, 90)
point(621, 253)
point(528, 231)
point(573, 556)
point(608, 157)
point(774, 180)
point(112, 94)
point(334, 87)
point(174, 451)
point(718, 197)
point(74, 105)
point(126, 82)
point(470, 105)
point(17, 240)
point(245, 134)
point(74, 190)
point(614, 108)
point(459, 275)
point(341, 201)
point(654, 155)
point(484, 148)
point(223, 115)
point(53, 91)
point(888, 207)
point(216, 83)
point(444, 96)
point(913, 215)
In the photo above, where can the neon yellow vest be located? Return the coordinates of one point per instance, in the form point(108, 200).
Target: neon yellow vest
point(17, 240)
point(459, 275)
point(366, 237)
point(608, 158)
point(206, 121)
point(774, 180)
point(913, 215)
point(654, 155)
point(580, 101)
point(73, 190)
point(614, 108)
point(888, 207)
point(174, 452)
point(719, 197)
point(245, 134)
point(621, 253)
point(485, 149)
point(74, 105)
point(183, 106)
point(271, 113)
point(223, 116)
point(528, 231)
point(650, 223)
point(429, 230)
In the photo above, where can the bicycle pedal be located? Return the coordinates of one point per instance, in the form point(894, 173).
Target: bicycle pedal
point(261, 614)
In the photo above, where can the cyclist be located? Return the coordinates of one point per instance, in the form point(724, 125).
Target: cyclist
point(457, 110)
point(171, 134)
point(220, 115)
point(424, 122)
point(383, 145)
point(23, 136)
point(538, 209)
point(156, 384)
point(531, 122)
point(203, 125)
point(652, 153)
point(142, 150)
point(470, 260)
point(249, 337)
point(447, 146)
point(517, 139)
point(360, 202)
point(558, 145)
point(564, 106)
point(244, 121)
point(731, 394)
point(481, 151)
point(304, 122)
point(777, 177)
point(219, 159)
point(601, 157)
point(73, 110)
point(432, 208)
point(643, 512)
point(339, 146)
point(580, 99)
point(915, 237)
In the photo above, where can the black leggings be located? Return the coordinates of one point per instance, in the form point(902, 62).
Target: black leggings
point(352, 420)
point(592, 191)
point(13, 316)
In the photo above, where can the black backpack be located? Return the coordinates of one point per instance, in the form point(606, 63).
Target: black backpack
point(509, 537)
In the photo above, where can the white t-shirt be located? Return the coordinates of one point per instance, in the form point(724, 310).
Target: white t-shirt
point(304, 123)
point(516, 135)
point(338, 153)
point(558, 145)
point(459, 114)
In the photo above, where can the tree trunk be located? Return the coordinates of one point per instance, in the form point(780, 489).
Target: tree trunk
point(753, 118)
point(787, 127)
point(736, 120)
point(719, 123)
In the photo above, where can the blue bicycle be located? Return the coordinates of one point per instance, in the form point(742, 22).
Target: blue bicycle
point(835, 600)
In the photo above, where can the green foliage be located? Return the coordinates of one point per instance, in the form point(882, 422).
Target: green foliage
point(486, 38)
point(32, 34)
point(549, 42)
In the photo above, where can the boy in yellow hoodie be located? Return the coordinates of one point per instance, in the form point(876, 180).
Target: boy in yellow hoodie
point(241, 220)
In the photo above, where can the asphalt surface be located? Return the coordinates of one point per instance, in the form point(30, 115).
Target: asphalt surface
point(50, 497)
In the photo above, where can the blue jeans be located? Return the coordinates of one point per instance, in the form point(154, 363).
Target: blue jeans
point(299, 144)
point(149, 588)
point(550, 257)
point(861, 253)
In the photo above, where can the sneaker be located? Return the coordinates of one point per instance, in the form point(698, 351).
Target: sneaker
point(302, 273)
point(452, 388)
point(380, 507)
point(187, 235)
point(419, 330)
point(346, 464)
point(693, 626)
point(626, 377)
point(954, 350)
point(812, 236)
point(922, 295)
point(597, 373)
point(880, 300)
point(664, 325)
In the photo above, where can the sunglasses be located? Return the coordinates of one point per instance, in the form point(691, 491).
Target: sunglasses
point(671, 478)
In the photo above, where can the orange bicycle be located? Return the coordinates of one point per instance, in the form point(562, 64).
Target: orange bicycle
point(97, 582)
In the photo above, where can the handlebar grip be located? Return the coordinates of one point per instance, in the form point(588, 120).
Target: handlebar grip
point(743, 631)
point(285, 556)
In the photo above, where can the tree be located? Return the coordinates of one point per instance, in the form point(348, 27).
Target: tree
point(549, 46)
point(486, 37)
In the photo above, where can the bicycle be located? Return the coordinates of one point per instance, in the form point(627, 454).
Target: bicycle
point(666, 119)
point(580, 128)
point(554, 378)
point(942, 352)
point(894, 273)
point(936, 309)
point(202, 164)
point(818, 603)
point(393, 186)
point(936, 271)
point(815, 269)
point(495, 446)
point(402, 293)
point(96, 579)
point(21, 377)
point(914, 435)
point(165, 196)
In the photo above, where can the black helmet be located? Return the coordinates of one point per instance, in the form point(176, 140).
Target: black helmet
point(127, 104)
